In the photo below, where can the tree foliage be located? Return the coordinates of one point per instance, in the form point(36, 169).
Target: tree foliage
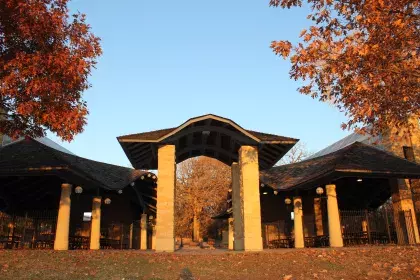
point(46, 56)
point(201, 190)
point(362, 56)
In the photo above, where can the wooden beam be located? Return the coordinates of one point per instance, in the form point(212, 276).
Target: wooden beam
point(205, 147)
point(140, 153)
point(149, 196)
point(136, 146)
point(236, 135)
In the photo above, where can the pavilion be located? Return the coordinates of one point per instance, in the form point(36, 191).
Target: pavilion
point(252, 156)
point(46, 192)
point(335, 197)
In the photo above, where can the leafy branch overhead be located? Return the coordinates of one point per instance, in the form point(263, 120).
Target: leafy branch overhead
point(362, 56)
point(46, 56)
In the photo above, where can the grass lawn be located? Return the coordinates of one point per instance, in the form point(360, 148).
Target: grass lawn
point(377, 262)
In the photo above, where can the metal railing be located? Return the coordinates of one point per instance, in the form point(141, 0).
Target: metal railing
point(381, 226)
point(31, 230)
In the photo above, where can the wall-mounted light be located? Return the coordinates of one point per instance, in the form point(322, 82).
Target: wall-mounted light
point(319, 190)
point(78, 190)
point(142, 177)
point(265, 192)
point(360, 180)
point(288, 201)
point(276, 192)
point(107, 201)
point(120, 191)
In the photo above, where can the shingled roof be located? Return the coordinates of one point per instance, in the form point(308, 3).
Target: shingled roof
point(207, 135)
point(157, 135)
point(29, 155)
point(357, 159)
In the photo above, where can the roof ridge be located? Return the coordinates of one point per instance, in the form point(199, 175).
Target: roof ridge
point(45, 147)
point(59, 154)
point(343, 153)
point(62, 156)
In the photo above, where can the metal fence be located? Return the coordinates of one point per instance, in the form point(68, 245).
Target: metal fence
point(381, 226)
point(384, 225)
point(278, 235)
point(31, 230)
point(117, 236)
point(36, 230)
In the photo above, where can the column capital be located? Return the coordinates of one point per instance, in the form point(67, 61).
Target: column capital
point(97, 199)
point(248, 148)
point(66, 185)
point(297, 199)
point(331, 189)
point(166, 145)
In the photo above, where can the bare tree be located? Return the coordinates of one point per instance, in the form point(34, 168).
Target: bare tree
point(201, 192)
point(298, 153)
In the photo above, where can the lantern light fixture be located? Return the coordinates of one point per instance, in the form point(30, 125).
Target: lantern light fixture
point(319, 190)
point(154, 177)
point(120, 191)
point(132, 184)
point(276, 192)
point(142, 177)
point(288, 201)
point(107, 201)
point(262, 185)
point(78, 190)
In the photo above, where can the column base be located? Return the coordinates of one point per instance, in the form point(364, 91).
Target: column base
point(165, 245)
point(60, 249)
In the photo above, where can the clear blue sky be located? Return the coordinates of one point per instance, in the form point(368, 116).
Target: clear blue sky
point(166, 61)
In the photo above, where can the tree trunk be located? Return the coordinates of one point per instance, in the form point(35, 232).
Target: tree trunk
point(196, 229)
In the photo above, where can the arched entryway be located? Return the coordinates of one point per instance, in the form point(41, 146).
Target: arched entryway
point(246, 151)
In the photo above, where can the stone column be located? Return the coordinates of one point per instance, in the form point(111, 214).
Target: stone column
point(238, 214)
point(402, 201)
point(63, 220)
point(318, 216)
point(165, 230)
point(250, 198)
point(143, 232)
point(230, 237)
point(95, 228)
point(298, 222)
point(334, 224)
